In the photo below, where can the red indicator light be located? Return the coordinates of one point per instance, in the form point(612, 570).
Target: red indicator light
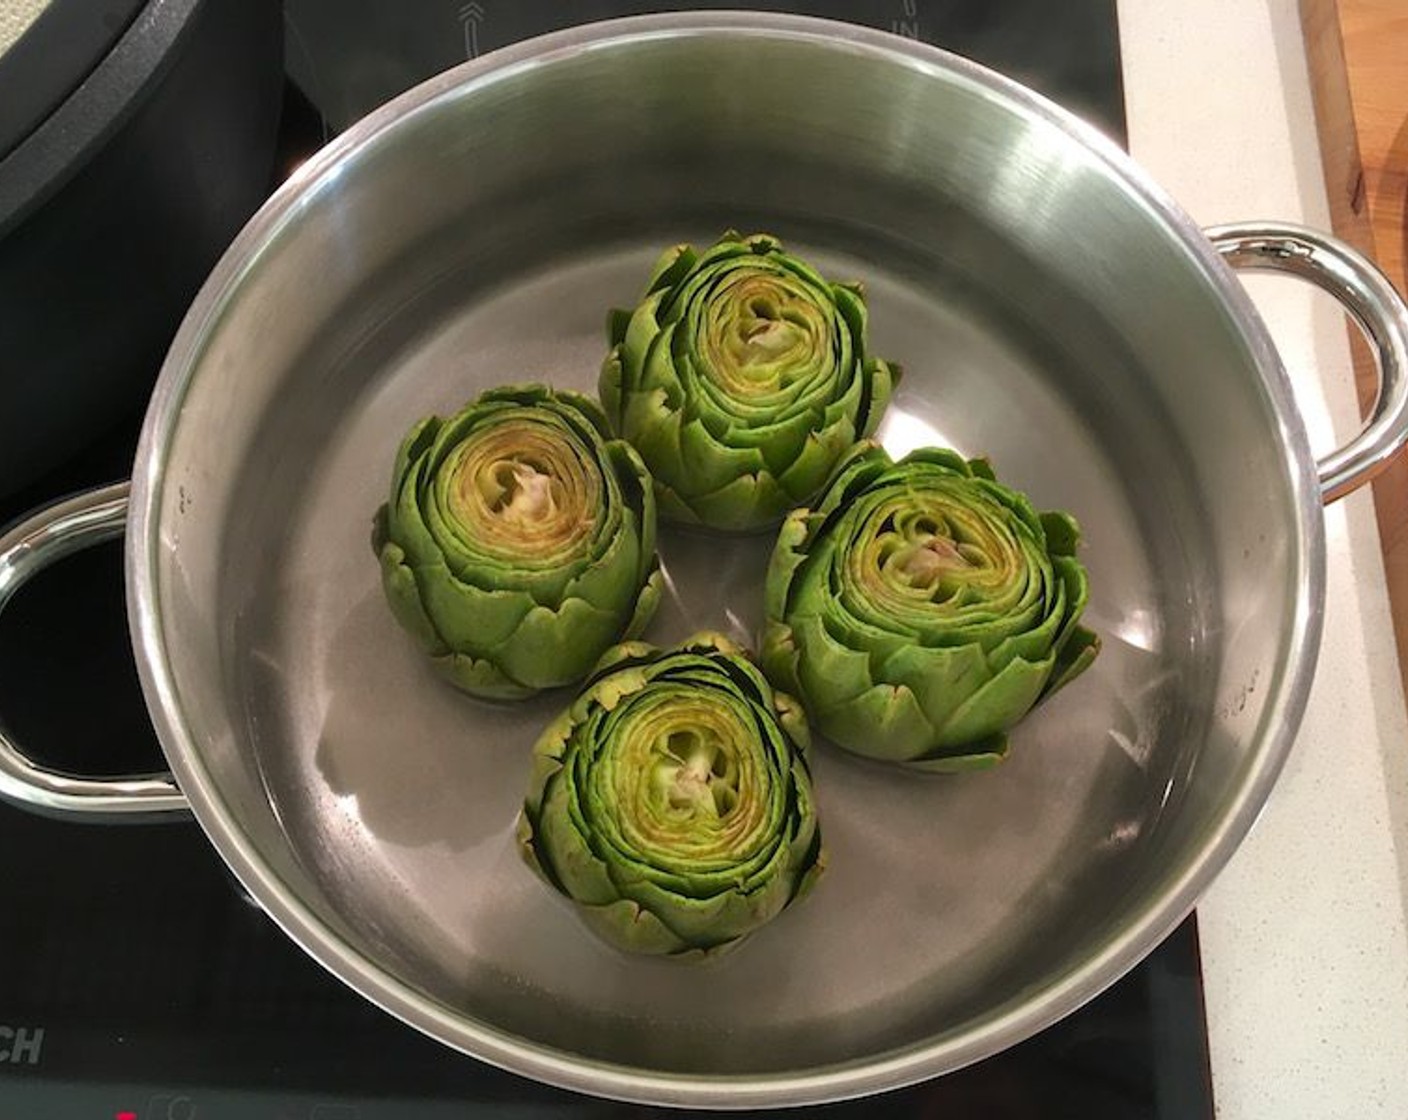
point(125, 1116)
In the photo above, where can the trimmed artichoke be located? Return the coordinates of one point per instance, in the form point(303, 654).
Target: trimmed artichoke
point(672, 801)
point(519, 541)
point(742, 378)
point(922, 609)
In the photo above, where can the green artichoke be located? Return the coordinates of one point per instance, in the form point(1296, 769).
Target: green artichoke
point(742, 378)
point(922, 609)
point(672, 801)
point(519, 541)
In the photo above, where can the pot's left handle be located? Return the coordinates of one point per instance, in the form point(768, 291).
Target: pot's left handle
point(39, 540)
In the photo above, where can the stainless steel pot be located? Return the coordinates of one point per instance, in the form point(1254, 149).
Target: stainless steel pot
point(1052, 308)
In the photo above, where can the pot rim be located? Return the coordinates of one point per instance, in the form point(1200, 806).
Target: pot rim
point(1119, 951)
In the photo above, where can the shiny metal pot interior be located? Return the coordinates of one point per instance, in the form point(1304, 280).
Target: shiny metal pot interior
point(1051, 309)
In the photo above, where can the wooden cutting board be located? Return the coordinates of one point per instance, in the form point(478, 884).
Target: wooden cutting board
point(1358, 56)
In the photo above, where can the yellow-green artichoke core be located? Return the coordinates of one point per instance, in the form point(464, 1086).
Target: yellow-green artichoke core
point(923, 563)
point(930, 550)
point(524, 487)
point(686, 774)
point(694, 773)
point(762, 334)
point(520, 492)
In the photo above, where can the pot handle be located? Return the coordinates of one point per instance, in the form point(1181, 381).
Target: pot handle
point(40, 539)
point(1369, 297)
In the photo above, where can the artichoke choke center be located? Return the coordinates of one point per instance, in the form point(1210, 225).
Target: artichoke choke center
point(524, 493)
point(762, 336)
point(924, 565)
point(694, 771)
point(765, 339)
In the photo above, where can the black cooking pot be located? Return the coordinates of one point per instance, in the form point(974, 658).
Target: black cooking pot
point(136, 137)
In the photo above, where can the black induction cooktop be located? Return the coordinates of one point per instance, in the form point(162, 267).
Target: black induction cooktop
point(138, 983)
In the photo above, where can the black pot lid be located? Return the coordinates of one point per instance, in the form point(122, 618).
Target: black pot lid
point(139, 38)
point(61, 44)
point(15, 18)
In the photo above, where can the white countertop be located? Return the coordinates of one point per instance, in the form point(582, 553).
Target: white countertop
point(1305, 946)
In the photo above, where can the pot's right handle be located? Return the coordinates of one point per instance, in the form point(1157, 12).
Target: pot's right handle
point(47, 535)
point(1371, 300)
